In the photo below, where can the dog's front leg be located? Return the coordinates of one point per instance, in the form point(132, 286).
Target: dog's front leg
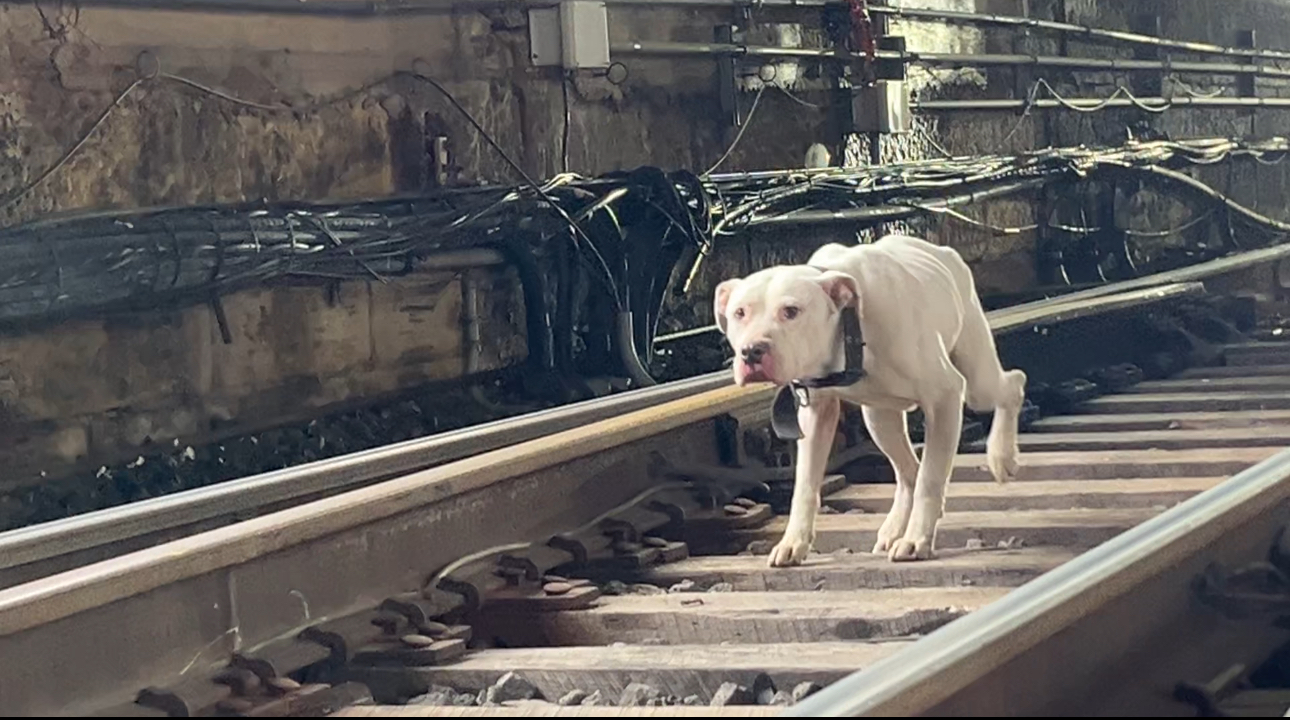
point(819, 423)
point(943, 425)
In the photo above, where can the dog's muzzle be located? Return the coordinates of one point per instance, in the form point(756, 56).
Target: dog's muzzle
point(797, 393)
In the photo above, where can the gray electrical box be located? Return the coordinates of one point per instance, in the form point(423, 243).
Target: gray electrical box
point(882, 108)
point(573, 35)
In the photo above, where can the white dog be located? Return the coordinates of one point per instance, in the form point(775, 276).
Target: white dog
point(926, 343)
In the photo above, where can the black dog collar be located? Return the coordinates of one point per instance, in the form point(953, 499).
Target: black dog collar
point(797, 393)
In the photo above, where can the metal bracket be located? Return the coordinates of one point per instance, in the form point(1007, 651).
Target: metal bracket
point(1148, 84)
point(729, 449)
point(569, 595)
point(438, 160)
point(893, 68)
point(727, 79)
point(1023, 76)
point(1247, 83)
point(1205, 697)
point(221, 320)
point(1254, 591)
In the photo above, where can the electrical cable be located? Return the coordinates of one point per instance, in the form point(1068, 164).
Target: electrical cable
point(585, 241)
point(71, 152)
point(738, 136)
point(1032, 95)
point(1119, 90)
point(1177, 230)
point(931, 140)
point(796, 99)
point(568, 121)
point(313, 106)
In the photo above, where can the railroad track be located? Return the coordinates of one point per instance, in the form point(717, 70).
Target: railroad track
point(620, 558)
point(720, 624)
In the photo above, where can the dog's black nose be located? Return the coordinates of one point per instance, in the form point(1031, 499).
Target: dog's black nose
point(753, 354)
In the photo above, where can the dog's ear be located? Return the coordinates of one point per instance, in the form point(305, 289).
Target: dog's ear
point(841, 289)
point(721, 301)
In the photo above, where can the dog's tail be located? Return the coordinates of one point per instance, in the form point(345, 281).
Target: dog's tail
point(1001, 452)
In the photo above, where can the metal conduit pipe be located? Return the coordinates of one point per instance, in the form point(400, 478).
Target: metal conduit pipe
point(461, 259)
point(332, 8)
point(970, 18)
point(627, 351)
point(379, 8)
point(470, 323)
point(1099, 103)
point(1072, 28)
point(647, 47)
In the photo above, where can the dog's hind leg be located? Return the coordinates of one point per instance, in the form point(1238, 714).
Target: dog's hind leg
point(890, 432)
point(943, 414)
point(991, 388)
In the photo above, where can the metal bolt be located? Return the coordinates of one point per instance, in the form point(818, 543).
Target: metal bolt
point(417, 641)
point(556, 588)
point(432, 628)
point(283, 685)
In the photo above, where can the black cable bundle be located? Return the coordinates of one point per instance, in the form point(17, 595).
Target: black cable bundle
point(628, 235)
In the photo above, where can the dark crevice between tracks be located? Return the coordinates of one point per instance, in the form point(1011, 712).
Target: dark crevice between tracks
point(229, 452)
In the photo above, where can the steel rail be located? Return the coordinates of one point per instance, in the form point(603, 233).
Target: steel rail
point(946, 661)
point(56, 545)
point(48, 599)
point(1191, 273)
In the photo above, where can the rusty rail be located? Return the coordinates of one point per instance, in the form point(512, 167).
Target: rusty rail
point(44, 549)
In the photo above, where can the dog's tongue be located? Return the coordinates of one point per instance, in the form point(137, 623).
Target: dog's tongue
point(746, 373)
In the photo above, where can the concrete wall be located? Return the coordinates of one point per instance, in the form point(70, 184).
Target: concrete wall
point(93, 389)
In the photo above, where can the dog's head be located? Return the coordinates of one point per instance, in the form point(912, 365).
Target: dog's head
point(783, 322)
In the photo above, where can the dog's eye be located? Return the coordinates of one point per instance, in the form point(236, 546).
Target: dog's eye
point(739, 313)
point(791, 312)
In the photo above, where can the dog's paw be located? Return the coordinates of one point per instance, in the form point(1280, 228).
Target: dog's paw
point(908, 549)
point(789, 552)
point(1004, 466)
point(886, 540)
point(891, 531)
